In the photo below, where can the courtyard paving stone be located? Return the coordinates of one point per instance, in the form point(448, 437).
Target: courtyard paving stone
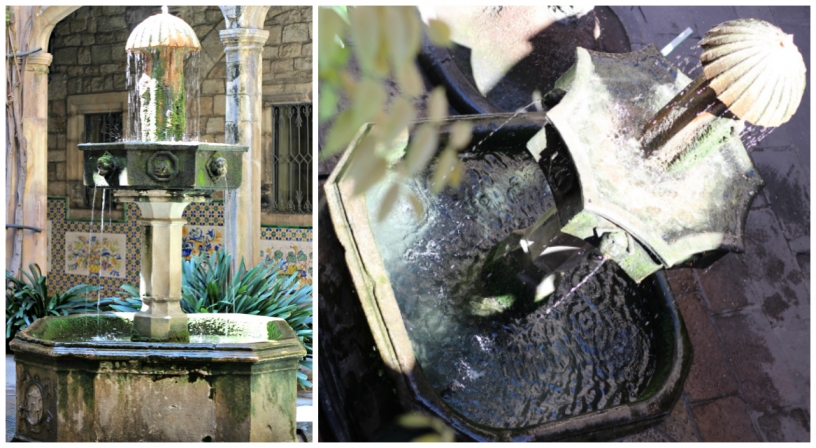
point(725, 420)
point(710, 374)
point(679, 426)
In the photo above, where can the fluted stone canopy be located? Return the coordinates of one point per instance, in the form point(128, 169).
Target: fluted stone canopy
point(163, 30)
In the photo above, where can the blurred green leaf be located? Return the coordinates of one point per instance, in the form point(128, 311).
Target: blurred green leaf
point(421, 148)
point(368, 100)
point(404, 36)
point(416, 204)
point(439, 33)
point(327, 102)
point(460, 134)
point(410, 80)
point(390, 199)
point(377, 169)
point(343, 129)
point(402, 113)
point(437, 104)
point(444, 169)
point(364, 29)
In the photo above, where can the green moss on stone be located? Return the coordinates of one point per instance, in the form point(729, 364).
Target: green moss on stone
point(66, 326)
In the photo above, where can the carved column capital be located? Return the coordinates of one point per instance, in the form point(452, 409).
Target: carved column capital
point(38, 62)
point(243, 38)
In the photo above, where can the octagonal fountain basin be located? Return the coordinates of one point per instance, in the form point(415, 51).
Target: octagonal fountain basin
point(80, 378)
point(601, 357)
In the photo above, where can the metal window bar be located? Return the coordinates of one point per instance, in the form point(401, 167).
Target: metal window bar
point(291, 159)
point(101, 128)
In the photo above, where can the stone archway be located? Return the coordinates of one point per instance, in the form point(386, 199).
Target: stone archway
point(26, 173)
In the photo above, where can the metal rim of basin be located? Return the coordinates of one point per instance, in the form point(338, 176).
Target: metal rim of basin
point(466, 98)
point(350, 219)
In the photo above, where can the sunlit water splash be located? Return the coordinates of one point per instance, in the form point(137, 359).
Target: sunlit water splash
point(519, 367)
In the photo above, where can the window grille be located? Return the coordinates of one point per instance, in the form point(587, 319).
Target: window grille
point(287, 185)
point(101, 128)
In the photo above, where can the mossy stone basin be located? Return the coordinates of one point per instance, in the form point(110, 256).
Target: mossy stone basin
point(80, 378)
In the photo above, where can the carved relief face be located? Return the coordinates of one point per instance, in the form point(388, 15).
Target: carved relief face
point(104, 166)
point(161, 168)
point(33, 404)
point(219, 166)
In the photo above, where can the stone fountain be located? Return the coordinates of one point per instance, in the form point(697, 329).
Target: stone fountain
point(635, 168)
point(139, 377)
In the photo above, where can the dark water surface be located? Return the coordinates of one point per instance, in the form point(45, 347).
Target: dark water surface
point(516, 367)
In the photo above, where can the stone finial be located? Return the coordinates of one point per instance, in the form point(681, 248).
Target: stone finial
point(752, 72)
point(755, 69)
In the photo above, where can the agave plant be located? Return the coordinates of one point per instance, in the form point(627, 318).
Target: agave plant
point(27, 300)
point(263, 290)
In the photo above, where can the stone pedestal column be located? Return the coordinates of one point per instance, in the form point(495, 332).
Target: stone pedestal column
point(161, 317)
point(243, 49)
point(35, 130)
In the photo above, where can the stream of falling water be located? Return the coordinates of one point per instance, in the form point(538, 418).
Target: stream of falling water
point(99, 242)
point(575, 288)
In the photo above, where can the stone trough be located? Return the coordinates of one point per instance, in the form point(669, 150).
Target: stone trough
point(81, 379)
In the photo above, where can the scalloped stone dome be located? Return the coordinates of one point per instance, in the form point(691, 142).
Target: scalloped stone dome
point(163, 30)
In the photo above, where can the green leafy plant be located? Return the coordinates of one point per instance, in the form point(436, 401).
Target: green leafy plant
point(385, 41)
point(262, 290)
point(27, 300)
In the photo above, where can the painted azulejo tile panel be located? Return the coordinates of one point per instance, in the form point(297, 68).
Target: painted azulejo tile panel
point(290, 249)
point(96, 254)
point(196, 240)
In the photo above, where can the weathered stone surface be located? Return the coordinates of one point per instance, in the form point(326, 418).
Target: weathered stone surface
point(275, 34)
point(205, 105)
point(788, 187)
point(306, 50)
point(679, 425)
point(270, 51)
point(298, 32)
point(786, 425)
point(215, 125)
point(760, 362)
point(136, 392)
point(219, 105)
point(101, 53)
point(726, 419)
point(804, 263)
point(282, 65)
point(72, 40)
point(650, 435)
point(681, 280)
point(212, 86)
point(83, 56)
point(305, 65)
point(87, 39)
point(725, 283)
point(112, 23)
point(288, 74)
point(290, 50)
point(60, 170)
point(65, 56)
point(710, 375)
